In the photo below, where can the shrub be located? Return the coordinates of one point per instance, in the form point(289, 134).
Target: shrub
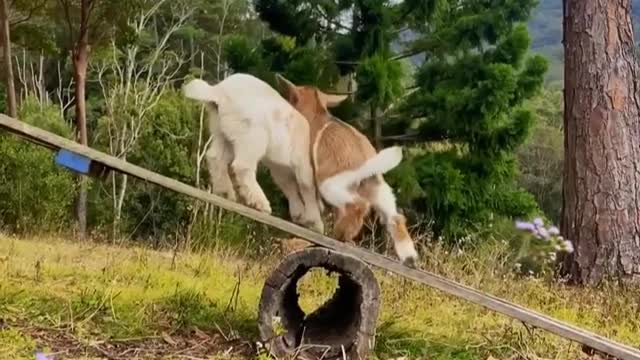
point(35, 195)
point(541, 158)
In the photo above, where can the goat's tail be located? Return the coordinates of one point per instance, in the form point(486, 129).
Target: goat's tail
point(200, 90)
point(384, 161)
point(335, 189)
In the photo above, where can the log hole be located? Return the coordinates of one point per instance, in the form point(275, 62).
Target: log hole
point(344, 323)
point(335, 322)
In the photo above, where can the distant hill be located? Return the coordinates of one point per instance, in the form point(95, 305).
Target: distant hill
point(546, 32)
point(545, 29)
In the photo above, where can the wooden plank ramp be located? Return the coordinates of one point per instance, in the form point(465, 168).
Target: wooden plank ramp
point(597, 342)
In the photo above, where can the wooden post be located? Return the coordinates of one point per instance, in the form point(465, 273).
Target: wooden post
point(343, 326)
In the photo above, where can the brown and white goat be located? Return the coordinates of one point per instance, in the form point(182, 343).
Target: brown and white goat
point(250, 122)
point(348, 170)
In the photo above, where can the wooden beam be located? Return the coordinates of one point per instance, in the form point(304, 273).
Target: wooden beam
point(488, 301)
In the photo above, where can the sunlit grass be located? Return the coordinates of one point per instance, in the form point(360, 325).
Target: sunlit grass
point(100, 292)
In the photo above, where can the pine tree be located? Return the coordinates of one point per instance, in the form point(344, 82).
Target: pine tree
point(602, 154)
point(469, 107)
point(466, 115)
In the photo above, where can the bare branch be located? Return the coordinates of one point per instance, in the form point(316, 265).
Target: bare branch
point(330, 21)
point(61, 93)
point(134, 81)
point(29, 15)
point(67, 15)
point(407, 54)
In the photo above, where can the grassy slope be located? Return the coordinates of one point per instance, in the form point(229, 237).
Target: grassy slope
point(93, 293)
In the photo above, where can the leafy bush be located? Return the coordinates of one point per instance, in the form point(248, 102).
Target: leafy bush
point(471, 101)
point(36, 195)
point(168, 145)
point(540, 160)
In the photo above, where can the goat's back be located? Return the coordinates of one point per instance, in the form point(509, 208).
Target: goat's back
point(247, 86)
point(253, 99)
point(339, 147)
point(256, 106)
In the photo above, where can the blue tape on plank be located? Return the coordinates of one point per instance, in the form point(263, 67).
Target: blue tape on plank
point(73, 161)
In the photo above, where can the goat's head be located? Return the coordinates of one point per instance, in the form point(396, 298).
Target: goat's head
point(308, 100)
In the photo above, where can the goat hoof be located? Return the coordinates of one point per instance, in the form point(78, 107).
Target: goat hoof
point(265, 208)
point(410, 262)
point(310, 223)
point(296, 216)
point(231, 197)
point(317, 227)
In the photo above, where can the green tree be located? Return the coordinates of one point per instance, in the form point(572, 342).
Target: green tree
point(35, 195)
point(379, 85)
point(469, 107)
point(332, 39)
point(89, 23)
point(466, 116)
point(540, 159)
point(600, 210)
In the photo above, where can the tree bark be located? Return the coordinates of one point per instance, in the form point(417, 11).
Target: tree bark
point(12, 107)
point(80, 64)
point(376, 127)
point(601, 187)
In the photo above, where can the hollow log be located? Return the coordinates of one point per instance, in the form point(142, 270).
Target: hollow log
point(344, 326)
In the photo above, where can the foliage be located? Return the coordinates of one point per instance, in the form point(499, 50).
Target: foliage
point(35, 195)
point(308, 64)
point(289, 18)
point(469, 115)
point(470, 96)
point(165, 146)
point(379, 81)
point(540, 159)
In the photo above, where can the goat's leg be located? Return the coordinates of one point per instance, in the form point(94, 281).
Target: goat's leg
point(218, 157)
point(381, 196)
point(351, 208)
point(249, 148)
point(285, 180)
point(306, 184)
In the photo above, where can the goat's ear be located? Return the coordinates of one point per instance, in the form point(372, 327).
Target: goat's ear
point(289, 89)
point(285, 84)
point(332, 100)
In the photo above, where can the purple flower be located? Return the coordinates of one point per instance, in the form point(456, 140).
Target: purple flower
point(538, 222)
point(522, 225)
point(553, 231)
point(543, 233)
point(41, 356)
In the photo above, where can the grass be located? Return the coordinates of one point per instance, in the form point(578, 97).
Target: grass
point(93, 295)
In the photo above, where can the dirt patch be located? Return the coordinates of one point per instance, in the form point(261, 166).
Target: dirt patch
point(194, 344)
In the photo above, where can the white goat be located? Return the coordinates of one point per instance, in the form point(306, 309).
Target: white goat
point(250, 122)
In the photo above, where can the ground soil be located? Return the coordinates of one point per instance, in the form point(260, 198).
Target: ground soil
point(194, 344)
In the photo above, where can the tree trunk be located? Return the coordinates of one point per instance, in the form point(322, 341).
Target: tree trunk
point(376, 127)
point(601, 187)
point(12, 108)
point(80, 64)
point(80, 76)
